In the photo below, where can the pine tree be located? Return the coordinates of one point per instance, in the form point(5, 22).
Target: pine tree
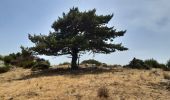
point(77, 32)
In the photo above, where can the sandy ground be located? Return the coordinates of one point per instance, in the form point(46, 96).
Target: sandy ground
point(122, 84)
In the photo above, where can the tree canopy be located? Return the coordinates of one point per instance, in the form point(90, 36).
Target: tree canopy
point(77, 32)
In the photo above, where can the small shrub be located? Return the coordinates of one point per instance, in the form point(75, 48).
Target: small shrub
point(91, 61)
point(1, 57)
point(104, 65)
point(115, 66)
point(64, 63)
point(4, 69)
point(168, 64)
point(25, 59)
point(168, 86)
point(103, 92)
point(27, 64)
point(166, 76)
point(164, 67)
point(8, 59)
point(154, 64)
point(137, 64)
point(41, 65)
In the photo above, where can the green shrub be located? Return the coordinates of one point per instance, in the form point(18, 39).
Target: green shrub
point(104, 65)
point(41, 65)
point(153, 63)
point(91, 61)
point(8, 59)
point(167, 66)
point(168, 63)
point(4, 68)
point(26, 64)
point(164, 67)
point(25, 59)
point(64, 63)
point(1, 57)
point(137, 64)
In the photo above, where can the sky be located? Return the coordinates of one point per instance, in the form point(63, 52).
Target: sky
point(147, 23)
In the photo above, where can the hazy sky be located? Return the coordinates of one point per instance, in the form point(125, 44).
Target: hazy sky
point(147, 23)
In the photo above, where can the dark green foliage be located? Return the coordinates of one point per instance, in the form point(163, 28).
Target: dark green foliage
point(163, 66)
point(25, 59)
point(91, 61)
point(1, 57)
point(4, 68)
point(64, 63)
point(147, 64)
point(41, 65)
point(27, 64)
point(77, 32)
point(104, 65)
point(153, 63)
point(168, 64)
point(8, 59)
point(137, 64)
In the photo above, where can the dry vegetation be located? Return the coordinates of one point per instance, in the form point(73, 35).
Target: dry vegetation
point(85, 84)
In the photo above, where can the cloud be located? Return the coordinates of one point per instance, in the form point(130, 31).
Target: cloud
point(151, 15)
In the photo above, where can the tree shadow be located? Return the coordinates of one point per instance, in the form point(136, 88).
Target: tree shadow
point(67, 72)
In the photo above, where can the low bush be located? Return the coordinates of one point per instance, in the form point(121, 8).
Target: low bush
point(4, 68)
point(103, 92)
point(166, 76)
point(64, 63)
point(1, 57)
point(164, 67)
point(27, 64)
point(41, 65)
point(137, 64)
point(104, 65)
point(91, 61)
point(147, 64)
point(154, 64)
point(8, 59)
point(25, 59)
point(168, 64)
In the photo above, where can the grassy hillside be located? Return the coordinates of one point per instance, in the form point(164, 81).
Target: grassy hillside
point(61, 84)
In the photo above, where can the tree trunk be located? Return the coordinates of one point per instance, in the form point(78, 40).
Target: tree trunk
point(74, 65)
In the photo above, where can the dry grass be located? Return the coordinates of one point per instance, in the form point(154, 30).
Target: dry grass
point(62, 84)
